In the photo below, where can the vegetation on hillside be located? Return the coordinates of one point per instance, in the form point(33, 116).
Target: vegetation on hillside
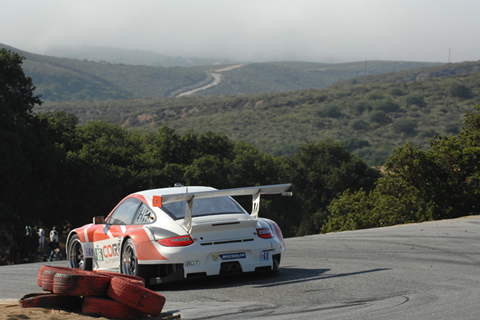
point(62, 79)
point(419, 185)
point(369, 119)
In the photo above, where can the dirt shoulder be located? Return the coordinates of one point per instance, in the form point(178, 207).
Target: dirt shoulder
point(10, 310)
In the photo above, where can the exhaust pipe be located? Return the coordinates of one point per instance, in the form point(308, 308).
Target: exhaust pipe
point(230, 267)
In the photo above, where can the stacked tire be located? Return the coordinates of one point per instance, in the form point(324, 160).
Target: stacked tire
point(96, 293)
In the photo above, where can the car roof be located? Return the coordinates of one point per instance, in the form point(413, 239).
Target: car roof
point(172, 190)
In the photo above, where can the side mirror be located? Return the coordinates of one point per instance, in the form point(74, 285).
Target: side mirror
point(99, 220)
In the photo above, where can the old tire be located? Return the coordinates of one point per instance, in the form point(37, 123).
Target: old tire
point(50, 300)
point(81, 284)
point(135, 296)
point(133, 279)
point(44, 267)
point(49, 273)
point(102, 307)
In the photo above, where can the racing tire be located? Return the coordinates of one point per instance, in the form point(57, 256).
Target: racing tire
point(133, 279)
point(81, 284)
point(102, 307)
point(136, 297)
point(129, 262)
point(276, 262)
point(50, 300)
point(76, 256)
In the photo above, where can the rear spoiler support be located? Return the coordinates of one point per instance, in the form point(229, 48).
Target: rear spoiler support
point(255, 192)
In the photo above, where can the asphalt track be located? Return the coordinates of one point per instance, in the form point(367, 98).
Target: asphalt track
point(419, 271)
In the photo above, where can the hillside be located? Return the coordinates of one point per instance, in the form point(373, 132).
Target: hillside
point(371, 119)
point(130, 57)
point(64, 79)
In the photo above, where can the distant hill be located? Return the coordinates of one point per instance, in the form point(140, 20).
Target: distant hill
point(131, 57)
point(370, 118)
point(66, 79)
point(372, 107)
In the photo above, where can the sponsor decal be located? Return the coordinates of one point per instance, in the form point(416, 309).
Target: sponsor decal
point(264, 256)
point(108, 253)
point(89, 252)
point(232, 256)
point(98, 254)
point(192, 263)
point(215, 257)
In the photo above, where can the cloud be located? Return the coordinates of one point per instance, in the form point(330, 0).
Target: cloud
point(258, 30)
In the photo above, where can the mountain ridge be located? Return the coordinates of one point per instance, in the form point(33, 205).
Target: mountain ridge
point(66, 79)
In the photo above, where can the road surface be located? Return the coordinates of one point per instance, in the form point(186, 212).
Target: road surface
point(215, 77)
point(419, 271)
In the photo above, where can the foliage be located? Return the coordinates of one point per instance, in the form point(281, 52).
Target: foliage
point(386, 115)
point(322, 170)
point(21, 150)
point(419, 185)
point(61, 79)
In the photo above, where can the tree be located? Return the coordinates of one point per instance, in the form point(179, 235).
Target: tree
point(415, 99)
point(16, 91)
point(461, 91)
point(404, 126)
point(322, 171)
point(379, 117)
point(439, 183)
point(18, 148)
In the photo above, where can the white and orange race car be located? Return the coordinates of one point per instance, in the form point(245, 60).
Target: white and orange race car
point(181, 232)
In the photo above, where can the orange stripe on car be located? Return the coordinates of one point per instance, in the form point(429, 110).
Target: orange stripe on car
point(144, 246)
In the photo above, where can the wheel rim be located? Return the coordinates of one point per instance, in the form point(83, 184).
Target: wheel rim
point(129, 260)
point(76, 256)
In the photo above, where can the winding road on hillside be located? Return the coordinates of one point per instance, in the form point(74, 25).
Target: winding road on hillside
point(214, 78)
point(418, 271)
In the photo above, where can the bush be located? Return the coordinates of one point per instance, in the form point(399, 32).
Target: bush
point(330, 112)
point(404, 126)
point(379, 117)
point(459, 91)
point(359, 125)
point(415, 99)
point(386, 106)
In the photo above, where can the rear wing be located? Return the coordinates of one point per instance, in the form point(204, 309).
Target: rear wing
point(255, 192)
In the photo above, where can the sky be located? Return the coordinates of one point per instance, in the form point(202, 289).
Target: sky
point(330, 31)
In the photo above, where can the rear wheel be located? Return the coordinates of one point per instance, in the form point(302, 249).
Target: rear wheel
point(276, 262)
point(129, 262)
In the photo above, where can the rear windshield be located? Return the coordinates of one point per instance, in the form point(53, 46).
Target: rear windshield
point(204, 207)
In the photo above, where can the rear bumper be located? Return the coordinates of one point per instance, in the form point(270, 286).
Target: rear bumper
point(198, 260)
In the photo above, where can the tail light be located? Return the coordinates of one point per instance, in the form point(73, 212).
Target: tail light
point(264, 233)
point(180, 241)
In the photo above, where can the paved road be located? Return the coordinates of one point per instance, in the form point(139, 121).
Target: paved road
point(419, 271)
point(216, 77)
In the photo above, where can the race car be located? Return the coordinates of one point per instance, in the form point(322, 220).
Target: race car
point(180, 232)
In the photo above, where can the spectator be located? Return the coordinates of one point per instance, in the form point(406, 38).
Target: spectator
point(54, 235)
point(54, 250)
point(41, 238)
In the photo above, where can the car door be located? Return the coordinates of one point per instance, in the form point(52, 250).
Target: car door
point(108, 239)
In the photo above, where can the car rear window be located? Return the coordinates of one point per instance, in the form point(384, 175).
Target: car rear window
point(204, 207)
